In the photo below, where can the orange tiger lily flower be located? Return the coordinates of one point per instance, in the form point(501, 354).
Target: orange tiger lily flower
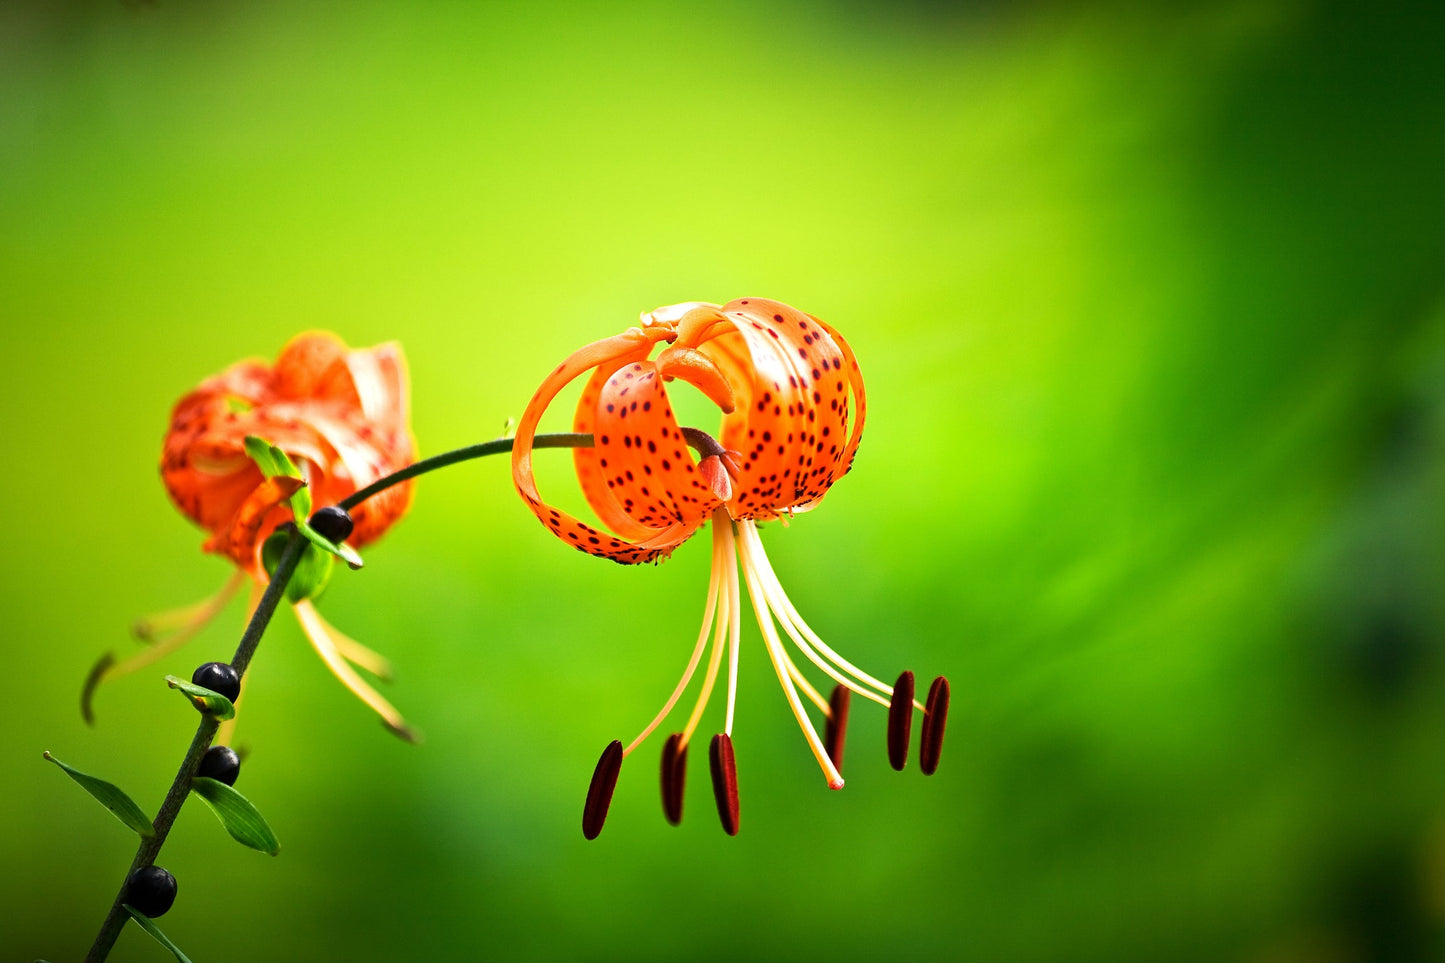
point(793, 407)
point(341, 414)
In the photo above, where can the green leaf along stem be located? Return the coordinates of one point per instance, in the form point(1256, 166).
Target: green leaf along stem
point(150, 927)
point(241, 819)
point(209, 702)
point(112, 797)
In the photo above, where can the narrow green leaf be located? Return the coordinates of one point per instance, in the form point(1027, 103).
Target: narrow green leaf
point(284, 464)
point(341, 549)
point(301, 502)
point(111, 797)
point(147, 924)
point(271, 460)
point(241, 819)
point(259, 450)
point(209, 702)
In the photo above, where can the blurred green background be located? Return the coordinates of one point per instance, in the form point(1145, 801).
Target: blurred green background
point(1151, 307)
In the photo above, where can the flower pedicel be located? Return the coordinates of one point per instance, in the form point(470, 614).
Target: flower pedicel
point(786, 384)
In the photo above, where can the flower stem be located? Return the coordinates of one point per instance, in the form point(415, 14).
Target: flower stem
point(568, 439)
point(251, 638)
point(205, 732)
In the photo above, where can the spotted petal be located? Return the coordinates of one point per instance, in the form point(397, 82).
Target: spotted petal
point(651, 526)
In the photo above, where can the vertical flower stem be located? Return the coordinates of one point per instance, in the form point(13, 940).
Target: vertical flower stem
point(251, 638)
point(205, 732)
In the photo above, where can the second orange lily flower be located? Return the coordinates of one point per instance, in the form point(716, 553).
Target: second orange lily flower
point(341, 415)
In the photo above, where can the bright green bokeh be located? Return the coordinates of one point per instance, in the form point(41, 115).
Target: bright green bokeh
point(1151, 307)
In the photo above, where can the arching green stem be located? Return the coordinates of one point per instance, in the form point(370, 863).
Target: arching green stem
point(569, 439)
point(251, 638)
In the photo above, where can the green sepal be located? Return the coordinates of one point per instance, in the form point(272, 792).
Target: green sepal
point(155, 931)
point(211, 703)
point(301, 499)
point(241, 819)
point(312, 572)
point(112, 797)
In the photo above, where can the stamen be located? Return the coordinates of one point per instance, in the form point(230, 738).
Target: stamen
point(779, 659)
point(837, 728)
point(788, 616)
point(359, 655)
point(735, 613)
point(709, 610)
point(710, 677)
point(725, 781)
point(599, 792)
point(319, 634)
point(833, 673)
point(186, 622)
point(674, 773)
point(724, 572)
point(802, 683)
point(935, 717)
point(93, 679)
point(148, 627)
point(900, 720)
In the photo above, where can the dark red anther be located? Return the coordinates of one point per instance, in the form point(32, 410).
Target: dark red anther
point(900, 720)
point(837, 728)
point(674, 772)
point(935, 717)
point(599, 793)
point(725, 781)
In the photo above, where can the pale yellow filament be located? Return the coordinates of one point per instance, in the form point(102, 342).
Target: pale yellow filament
point(777, 601)
point(803, 683)
point(735, 615)
point(320, 635)
point(187, 621)
point(707, 621)
point(779, 659)
point(720, 566)
point(788, 615)
point(359, 655)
